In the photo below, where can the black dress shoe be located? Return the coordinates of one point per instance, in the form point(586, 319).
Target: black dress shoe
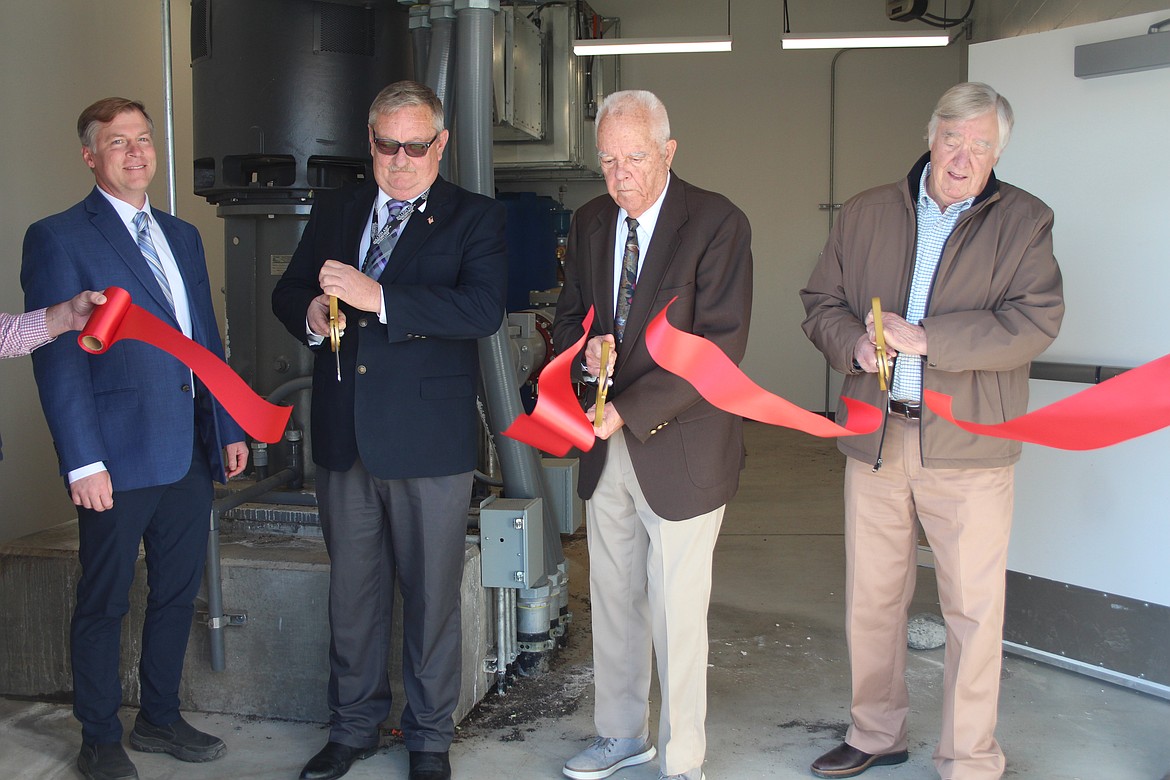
point(429, 766)
point(847, 761)
point(334, 760)
point(180, 739)
point(105, 761)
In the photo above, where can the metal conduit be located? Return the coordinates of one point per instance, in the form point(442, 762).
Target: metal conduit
point(520, 464)
point(439, 73)
point(169, 107)
point(420, 39)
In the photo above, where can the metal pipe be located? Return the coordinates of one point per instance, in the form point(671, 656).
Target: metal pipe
point(420, 39)
point(1074, 372)
point(831, 206)
point(501, 643)
point(473, 97)
point(520, 464)
point(288, 388)
point(513, 640)
point(169, 106)
point(439, 63)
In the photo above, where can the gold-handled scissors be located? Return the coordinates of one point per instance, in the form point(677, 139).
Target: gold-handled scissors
point(335, 334)
point(602, 385)
point(879, 337)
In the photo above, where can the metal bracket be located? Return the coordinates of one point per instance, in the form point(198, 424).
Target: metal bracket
point(828, 206)
point(225, 620)
point(536, 647)
point(490, 665)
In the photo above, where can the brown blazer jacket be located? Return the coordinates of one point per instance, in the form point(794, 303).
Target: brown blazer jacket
point(686, 453)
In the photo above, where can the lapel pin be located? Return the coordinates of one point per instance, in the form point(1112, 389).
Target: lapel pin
point(430, 220)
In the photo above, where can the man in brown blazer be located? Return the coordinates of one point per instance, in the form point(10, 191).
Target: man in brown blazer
point(666, 462)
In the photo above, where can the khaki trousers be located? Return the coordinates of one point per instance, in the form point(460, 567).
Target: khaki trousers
point(650, 586)
point(966, 515)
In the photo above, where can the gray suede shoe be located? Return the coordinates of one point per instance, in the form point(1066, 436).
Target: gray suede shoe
point(607, 755)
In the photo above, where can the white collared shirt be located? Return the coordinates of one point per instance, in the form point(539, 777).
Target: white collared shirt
point(174, 278)
point(165, 256)
point(380, 202)
point(646, 224)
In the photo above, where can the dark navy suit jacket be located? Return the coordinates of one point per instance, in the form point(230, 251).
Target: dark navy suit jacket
point(131, 407)
point(406, 400)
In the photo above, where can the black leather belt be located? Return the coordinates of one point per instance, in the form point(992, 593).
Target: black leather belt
point(909, 411)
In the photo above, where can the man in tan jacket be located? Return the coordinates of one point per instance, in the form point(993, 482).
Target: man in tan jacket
point(970, 293)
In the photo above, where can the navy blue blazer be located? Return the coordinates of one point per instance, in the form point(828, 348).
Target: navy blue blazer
point(131, 407)
point(406, 402)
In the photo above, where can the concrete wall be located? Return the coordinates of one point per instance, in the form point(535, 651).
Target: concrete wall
point(276, 663)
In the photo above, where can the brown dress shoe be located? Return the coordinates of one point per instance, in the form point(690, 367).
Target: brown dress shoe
point(847, 761)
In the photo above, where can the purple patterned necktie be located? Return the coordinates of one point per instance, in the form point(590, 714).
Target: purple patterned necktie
point(629, 278)
point(382, 240)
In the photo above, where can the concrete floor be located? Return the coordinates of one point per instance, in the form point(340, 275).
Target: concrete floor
point(779, 685)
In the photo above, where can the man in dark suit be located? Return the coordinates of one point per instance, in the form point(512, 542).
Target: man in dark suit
point(139, 439)
point(667, 462)
point(419, 268)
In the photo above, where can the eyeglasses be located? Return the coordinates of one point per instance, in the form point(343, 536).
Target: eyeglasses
point(390, 147)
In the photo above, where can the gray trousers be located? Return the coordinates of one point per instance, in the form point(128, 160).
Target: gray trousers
point(377, 531)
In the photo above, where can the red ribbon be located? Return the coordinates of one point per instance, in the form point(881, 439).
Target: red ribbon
point(557, 423)
point(726, 387)
point(1127, 406)
point(118, 318)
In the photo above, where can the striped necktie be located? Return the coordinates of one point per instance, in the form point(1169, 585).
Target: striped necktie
point(142, 222)
point(629, 278)
point(382, 240)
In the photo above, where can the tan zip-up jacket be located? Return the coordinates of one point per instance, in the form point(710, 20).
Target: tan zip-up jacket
point(996, 303)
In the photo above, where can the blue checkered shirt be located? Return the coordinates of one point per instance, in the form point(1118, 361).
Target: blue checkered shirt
point(934, 228)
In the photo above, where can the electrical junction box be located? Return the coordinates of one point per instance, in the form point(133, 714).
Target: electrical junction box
point(561, 479)
point(905, 10)
point(511, 542)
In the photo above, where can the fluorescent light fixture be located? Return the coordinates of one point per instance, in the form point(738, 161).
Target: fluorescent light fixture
point(599, 46)
point(863, 40)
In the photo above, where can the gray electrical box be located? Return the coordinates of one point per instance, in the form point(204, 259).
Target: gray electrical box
point(561, 480)
point(511, 541)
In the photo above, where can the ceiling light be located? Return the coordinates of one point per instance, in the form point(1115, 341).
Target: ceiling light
point(597, 46)
point(863, 40)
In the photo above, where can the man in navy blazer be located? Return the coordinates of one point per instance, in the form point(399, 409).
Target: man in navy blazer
point(419, 267)
point(657, 481)
point(139, 439)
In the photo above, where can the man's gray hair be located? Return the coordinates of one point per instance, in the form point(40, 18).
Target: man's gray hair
point(967, 101)
point(407, 94)
point(637, 101)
